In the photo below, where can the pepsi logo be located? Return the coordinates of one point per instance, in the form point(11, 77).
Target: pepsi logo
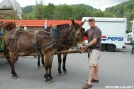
point(104, 38)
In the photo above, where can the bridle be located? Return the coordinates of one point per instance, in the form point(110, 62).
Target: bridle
point(71, 39)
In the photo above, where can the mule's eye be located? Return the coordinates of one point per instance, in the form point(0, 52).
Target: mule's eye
point(78, 34)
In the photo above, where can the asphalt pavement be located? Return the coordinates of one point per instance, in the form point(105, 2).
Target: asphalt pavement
point(115, 69)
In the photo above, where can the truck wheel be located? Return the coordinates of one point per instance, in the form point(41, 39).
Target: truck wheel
point(103, 47)
point(111, 47)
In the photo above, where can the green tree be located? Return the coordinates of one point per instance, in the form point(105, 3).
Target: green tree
point(65, 11)
point(48, 11)
point(27, 9)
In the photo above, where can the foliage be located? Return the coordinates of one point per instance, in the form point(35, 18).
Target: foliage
point(125, 9)
point(77, 11)
point(27, 9)
point(128, 31)
point(63, 11)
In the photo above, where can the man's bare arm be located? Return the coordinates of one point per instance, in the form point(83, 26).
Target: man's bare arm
point(92, 42)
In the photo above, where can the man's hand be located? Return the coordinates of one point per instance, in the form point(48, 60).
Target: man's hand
point(84, 47)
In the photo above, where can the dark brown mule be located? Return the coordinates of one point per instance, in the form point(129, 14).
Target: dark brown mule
point(18, 40)
point(79, 40)
point(7, 26)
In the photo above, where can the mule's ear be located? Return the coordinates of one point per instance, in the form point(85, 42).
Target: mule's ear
point(73, 23)
point(82, 23)
point(51, 26)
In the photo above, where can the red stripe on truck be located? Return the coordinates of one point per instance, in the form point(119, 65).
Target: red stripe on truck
point(85, 38)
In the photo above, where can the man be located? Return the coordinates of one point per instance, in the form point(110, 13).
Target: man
point(94, 44)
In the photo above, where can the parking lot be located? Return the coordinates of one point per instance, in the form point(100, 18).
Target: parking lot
point(115, 69)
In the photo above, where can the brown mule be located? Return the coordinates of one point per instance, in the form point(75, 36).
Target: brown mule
point(18, 40)
point(7, 26)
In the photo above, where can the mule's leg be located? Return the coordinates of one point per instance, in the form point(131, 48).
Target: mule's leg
point(49, 73)
point(46, 63)
point(42, 60)
point(48, 59)
point(46, 73)
point(38, 63)
point(49, 67)
point(8, 57)
point(13, 58)
point(64, 63)
point(59, 62)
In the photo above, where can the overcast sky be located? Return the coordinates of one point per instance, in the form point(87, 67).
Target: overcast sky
point(99, 4)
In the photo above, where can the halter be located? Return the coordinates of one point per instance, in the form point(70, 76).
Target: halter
point(71, 38)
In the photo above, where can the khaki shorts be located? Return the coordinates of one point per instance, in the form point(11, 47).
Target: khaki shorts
point(94, 57)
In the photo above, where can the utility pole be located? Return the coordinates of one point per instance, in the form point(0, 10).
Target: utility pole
point(39, 8)
point(127, 20)
point(39, 11)
point(100, 12)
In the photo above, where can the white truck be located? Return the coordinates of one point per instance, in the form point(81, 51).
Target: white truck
point(113, 32)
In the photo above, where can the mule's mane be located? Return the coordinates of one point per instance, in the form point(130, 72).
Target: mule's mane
point(7, 22)
point(62, 26)
point(77, 25)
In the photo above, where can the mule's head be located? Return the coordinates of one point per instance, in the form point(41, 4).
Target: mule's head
point(8, 26)
point(78, 33)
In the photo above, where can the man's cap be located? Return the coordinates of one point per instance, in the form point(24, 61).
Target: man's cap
point(91, 19)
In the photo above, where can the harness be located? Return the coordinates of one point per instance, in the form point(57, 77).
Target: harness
point(69, 41)
point(54, 37)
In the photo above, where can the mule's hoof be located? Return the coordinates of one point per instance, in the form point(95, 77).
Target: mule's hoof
point(65, 72)
point(39, 67)
point(52, 80)
point(15, 77)
point(60, 73)
point(48, 82)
